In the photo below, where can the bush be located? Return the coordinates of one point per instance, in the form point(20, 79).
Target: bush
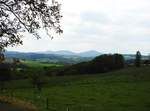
point(5, 73)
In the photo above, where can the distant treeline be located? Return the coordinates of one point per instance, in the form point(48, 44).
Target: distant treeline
point(100, 64)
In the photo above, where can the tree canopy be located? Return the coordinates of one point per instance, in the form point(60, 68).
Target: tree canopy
point(138, 59)
point(1, 57)
point(18, 16)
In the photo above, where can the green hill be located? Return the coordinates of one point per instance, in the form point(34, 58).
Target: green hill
point(123, 90)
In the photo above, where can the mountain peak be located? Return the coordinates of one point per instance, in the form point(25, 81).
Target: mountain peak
point(90, 53)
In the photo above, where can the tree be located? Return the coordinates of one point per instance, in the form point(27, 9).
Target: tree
point(100, 64)
point(119, 61)
point(5, 74)
point(1, 57)
point(138, 59)
point(15, 64)
point(17, 16)
point(37, 81)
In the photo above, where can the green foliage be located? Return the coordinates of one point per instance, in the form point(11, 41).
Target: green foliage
point(138, 59)
point(5, 71)
point(36, 80)
point(5, 74)
point(2, 58)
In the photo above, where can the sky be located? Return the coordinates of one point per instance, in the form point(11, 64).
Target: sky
point(108, 26)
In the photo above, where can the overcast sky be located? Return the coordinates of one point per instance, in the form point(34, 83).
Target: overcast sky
point(111, 26)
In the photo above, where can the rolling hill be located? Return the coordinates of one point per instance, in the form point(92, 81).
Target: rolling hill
point(62, 56)
point(42, 57)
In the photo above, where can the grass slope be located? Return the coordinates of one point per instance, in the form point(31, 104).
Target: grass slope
point(124, 90)
point(36, 64)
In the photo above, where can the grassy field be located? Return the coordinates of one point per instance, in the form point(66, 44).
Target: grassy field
point(124, 90)
point(36, 64)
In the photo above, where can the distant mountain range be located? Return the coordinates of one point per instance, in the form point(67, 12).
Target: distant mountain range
point(62, 56)
point(90, 53)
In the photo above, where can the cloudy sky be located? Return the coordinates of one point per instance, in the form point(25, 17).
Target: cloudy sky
point(110, 26)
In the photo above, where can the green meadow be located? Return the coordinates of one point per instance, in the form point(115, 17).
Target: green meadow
point(37, 64)
point(123, 90)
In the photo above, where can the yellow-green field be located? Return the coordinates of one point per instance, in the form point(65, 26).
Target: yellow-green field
point(36, 64)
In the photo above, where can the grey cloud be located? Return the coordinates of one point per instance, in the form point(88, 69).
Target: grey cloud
point(134, 18)
point(110, 28)
point(94, 17)
point(90, 30)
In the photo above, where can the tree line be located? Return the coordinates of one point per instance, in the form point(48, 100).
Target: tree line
point(100, 64)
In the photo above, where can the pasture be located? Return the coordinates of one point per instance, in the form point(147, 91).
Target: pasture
point(37, 64)
point(123, 90)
